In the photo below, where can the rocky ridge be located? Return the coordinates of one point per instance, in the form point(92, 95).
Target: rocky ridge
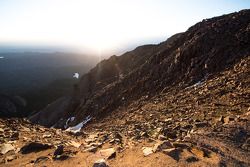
point(204, 50)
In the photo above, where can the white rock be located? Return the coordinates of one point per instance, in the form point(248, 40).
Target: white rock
point(79, 126)
point(107, 153)
point(6, 148)
point(147, 151)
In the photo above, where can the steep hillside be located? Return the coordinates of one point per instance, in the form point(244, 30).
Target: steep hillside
point(204, 50)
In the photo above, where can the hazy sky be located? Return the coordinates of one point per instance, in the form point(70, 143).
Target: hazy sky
point(103, 25)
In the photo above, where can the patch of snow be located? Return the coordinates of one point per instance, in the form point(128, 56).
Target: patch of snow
point(79, 126)
point(1, 57)
point(197, 83)
point(121, 76)
point(76, 75)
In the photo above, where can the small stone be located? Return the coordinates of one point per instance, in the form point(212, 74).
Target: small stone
point(15, 136)
point(147, 151)
point(108, 153)
point(10, 158)
point(6, 148)
point(91, 149)
point(100, 163)
point(201, 124)
point(221, 119)
point(168, 120)
point(41, 129)
point(25, 139)
point(41, 159)
point(187, 137)
point(172, 152)
point(228, 119)
point(143, 134)
point(192, 159)
point(59, 150)
point(162, 145)
point(47, 135)
point(181, 145)
point(171, 134)
point(188, 127)
point(25, 129)
point(162, 137)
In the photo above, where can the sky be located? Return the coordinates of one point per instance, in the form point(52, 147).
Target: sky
point(103, 26)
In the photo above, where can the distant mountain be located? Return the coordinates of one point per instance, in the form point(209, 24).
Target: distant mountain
point(20, 72)
point(32, 74)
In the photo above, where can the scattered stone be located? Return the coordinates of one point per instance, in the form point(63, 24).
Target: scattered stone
point(173, 152)
point(10, 158)
point(15, 136)
point(187, 137)
point(100, 163)
point(24, 129)
point(147, 151)
point(91, 149)
point(246, 145)
point(41, 159)
point(6, 148)
point(221, 119)
point(155, 133)
point(162, 145)
point(34, 147)
point(228, 119)
point(17, 150)
point(201, 124)
point(47, 135)
point(171, 134)
point(168, 120)
point(162, 137)
point(25, 139)
point(61, 154)
point(144, 134)
point(108, 153)
point(188, 127)
point(61, 157)
point(59, 150)
point(192, 159)
point(181, 145)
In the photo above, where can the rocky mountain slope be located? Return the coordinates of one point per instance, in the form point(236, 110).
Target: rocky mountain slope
point(184, 102)
point(204, 50)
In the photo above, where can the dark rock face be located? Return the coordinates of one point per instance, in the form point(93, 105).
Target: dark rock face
point(11, 106)
point(52, 113)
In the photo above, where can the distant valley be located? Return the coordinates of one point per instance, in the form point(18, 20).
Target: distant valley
point(33, 75)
